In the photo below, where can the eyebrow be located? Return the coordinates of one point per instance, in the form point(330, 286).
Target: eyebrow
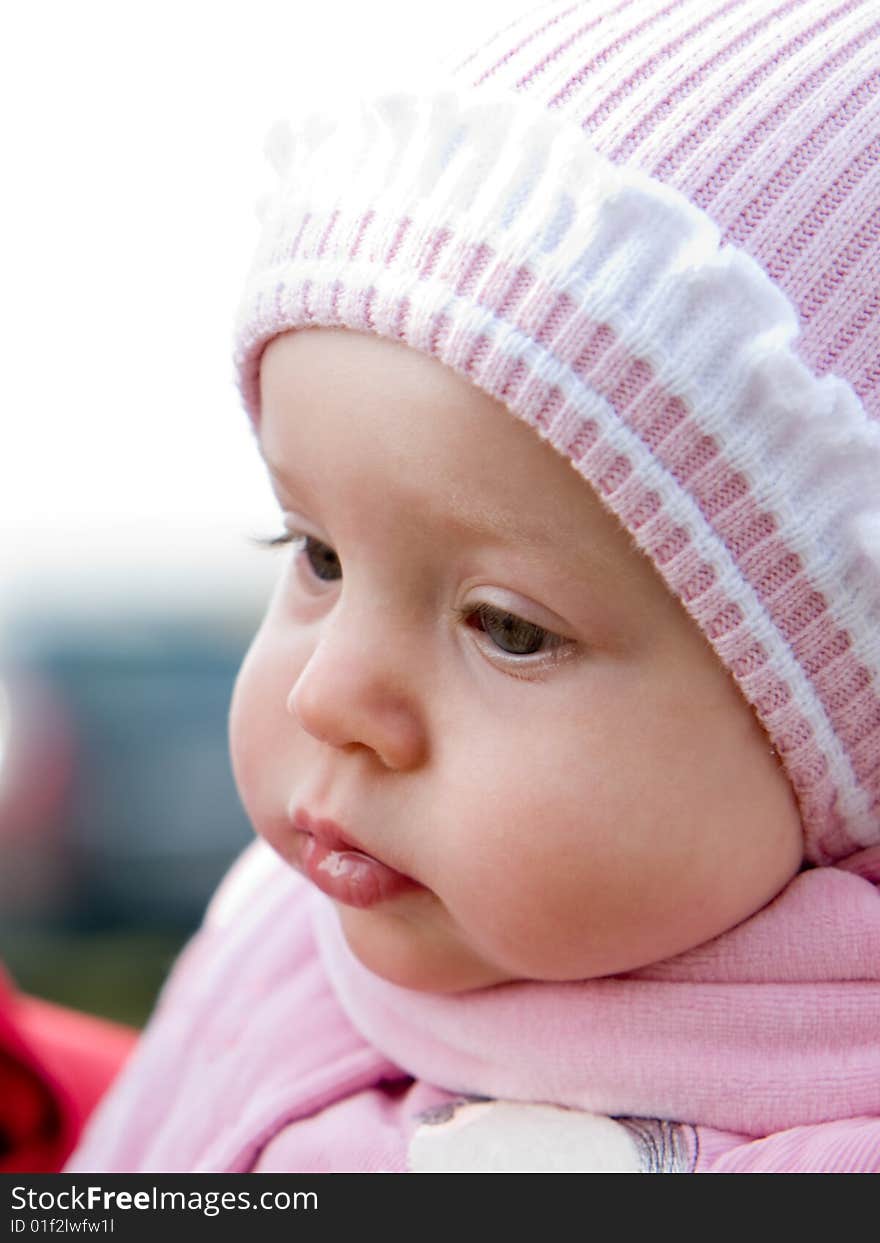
point(468, 515)
point(483, 523)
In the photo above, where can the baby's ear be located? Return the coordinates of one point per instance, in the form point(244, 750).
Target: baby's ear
point(508, 1137)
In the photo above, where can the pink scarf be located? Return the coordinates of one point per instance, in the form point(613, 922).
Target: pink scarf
point(263, 1056)
point(774, 1024)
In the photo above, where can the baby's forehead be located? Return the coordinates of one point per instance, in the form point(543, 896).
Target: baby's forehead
point(342, 408)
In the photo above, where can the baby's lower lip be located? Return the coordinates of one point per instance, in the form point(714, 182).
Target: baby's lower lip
point(349, 876)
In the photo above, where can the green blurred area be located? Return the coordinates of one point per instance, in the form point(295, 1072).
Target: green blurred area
point(113, 974)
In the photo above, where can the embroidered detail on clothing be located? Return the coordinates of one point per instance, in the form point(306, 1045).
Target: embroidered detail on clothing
point(664, 1147)
point(436, 1115)
point(497, 1136)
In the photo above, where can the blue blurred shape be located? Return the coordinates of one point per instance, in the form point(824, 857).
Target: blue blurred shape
point(126, 724)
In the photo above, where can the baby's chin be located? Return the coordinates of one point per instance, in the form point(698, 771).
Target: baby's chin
point(423, 954)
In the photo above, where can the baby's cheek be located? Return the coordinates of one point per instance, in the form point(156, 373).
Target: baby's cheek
point(511, 872)
point(525, 923)
point(250, 716)
point(533, 855)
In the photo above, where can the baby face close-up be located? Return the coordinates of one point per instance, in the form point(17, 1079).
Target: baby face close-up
point(474, 715)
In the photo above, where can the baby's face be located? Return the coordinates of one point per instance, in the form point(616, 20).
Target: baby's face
point(469, 675)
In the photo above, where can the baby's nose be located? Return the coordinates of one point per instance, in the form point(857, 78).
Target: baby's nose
point(354, 691)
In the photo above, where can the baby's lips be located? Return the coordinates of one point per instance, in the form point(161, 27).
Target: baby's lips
point(340, 868)
point(352, 877)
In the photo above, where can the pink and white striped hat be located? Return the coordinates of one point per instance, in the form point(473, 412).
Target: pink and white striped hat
point(652, 229)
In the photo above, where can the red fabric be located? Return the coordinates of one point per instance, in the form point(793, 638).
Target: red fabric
point(55, 1064)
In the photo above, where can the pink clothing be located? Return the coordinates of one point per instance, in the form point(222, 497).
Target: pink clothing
point(249, 1060)
point(761, 1049)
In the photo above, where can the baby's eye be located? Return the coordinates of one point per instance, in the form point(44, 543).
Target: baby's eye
point(510, 633)
point(323, 561)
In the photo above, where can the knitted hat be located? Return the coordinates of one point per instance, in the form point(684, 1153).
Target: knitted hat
point(652, 229)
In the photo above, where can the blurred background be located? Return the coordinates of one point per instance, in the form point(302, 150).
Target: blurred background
point(129, 480)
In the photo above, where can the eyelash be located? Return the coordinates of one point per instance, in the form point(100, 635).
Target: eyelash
point(556, 647)
point(275, 541)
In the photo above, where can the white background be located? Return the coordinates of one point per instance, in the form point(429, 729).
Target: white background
point(132, 157)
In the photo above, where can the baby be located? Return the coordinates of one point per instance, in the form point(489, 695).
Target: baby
point(562, 730)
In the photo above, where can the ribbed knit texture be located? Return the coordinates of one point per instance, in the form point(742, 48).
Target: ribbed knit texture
point(765, 115)
point(653, 231)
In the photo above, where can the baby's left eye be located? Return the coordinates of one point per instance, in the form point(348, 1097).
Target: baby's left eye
point(323, 561)
point(510, 633)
